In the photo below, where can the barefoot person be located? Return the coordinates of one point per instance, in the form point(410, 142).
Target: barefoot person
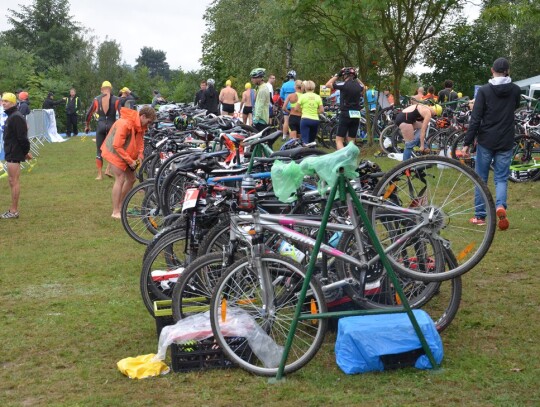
point(246, 107)
point(123, 148)
point(17, 149)
point(228, 97)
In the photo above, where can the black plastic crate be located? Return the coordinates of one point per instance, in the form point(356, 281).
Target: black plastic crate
point(162, 322)
point(205, 354)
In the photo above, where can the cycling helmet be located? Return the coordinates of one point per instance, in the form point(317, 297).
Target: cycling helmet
point(291, 74)
point(211, 82)
point(437, 109)
point(258, 73)
point(348, 71)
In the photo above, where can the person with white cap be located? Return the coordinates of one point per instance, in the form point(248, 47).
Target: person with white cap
point(17, 150)
point(492, 125)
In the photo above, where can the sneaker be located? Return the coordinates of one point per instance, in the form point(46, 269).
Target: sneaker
point(9, 215)
point(477, 221)
point(503, 220)
point(284, 137)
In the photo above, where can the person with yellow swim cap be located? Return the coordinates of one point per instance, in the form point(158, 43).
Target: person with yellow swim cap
point(228, 97)
point(246, 106)
point(107, 106)
point(17, 150)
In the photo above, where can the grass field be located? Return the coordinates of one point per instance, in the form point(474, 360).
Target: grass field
point(71, 308)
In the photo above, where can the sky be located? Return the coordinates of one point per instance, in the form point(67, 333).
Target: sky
point(172, 26)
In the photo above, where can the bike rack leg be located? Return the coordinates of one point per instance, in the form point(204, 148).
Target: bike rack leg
point(345, 188)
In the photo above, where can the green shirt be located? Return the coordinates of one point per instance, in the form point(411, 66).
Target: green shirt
point(261, 113)
point(310, 102)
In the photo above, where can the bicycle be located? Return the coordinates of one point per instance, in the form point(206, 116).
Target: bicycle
point(267, 285)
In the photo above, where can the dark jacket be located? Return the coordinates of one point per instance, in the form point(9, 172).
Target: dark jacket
point(128, 101)
point(198, 97)
point(492, 119)
point(23, 107)
point(49, 103)
point(210, 100)
point(16, 143)
point(73, 105)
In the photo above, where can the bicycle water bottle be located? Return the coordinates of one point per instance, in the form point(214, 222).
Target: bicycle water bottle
point(247, 199)
point(335, 238)
point(288, 250)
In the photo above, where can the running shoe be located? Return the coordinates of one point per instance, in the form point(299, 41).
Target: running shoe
point(477, 221)
point(9, 215)
point(503, 220)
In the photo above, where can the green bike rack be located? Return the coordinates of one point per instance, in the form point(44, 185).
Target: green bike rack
point(345, 189)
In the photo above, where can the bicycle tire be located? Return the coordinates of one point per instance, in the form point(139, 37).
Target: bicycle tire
point(145, 170)
point(443, 190)
point(167, 257)
point(140, 213)
point(385, 139)
point(172, 193)
point(192, 292)
point(526, 151)
point(240, 285)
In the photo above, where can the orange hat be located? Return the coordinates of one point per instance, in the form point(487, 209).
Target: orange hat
point(23, 96)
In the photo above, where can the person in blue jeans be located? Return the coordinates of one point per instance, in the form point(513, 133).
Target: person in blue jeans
point(492, 125)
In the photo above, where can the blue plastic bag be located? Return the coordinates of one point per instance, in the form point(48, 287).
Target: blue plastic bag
point(362, 340)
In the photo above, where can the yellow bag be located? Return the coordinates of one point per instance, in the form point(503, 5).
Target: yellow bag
point(142, 366)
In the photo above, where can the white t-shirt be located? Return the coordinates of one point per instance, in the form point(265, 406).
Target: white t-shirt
point(271, 88)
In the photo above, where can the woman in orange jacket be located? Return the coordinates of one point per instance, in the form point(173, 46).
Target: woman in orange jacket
point(123, 149)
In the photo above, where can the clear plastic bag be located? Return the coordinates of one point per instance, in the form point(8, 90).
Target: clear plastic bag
point(238, 324)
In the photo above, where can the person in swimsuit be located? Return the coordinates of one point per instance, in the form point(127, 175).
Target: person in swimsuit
point(246, 107)
point(290, 106)
point(413, 118)
point(228, 97)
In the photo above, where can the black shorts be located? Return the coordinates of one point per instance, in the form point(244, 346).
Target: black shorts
point(294, 122)
point(226, 107)
point(14, 161)
point(247, 110)
point(347, 127)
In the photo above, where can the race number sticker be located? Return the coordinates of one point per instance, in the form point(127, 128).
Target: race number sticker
point(354, 114)
point(190, 199)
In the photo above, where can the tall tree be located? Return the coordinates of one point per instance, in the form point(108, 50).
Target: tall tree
point(155, 60)
point(46, 29)
point(16, 67)
point(109, 63)
point(407, 24)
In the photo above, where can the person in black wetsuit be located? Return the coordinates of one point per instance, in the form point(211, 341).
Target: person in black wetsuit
point(413, 118)
point(106, 106)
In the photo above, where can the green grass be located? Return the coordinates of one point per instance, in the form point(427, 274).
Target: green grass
point(71, 308)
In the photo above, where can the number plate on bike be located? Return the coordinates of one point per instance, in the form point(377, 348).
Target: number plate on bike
point(190, 199)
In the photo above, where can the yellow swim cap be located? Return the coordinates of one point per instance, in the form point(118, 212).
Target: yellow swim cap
point(460, 95)
point(106, 84)
point(248, 85)
point(9, 97)
point(228, 83)
point(438, 109)
point(124, 89)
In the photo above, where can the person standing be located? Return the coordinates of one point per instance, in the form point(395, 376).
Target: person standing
point(50, 103)
point(261, 111)
point(351, 90)
point(126, 98)
point(210, 98)
point(123, 149)
point(157, 99)
point(447, 94)
point(311, 105)
point(492, 124)
point(371, 98)
point(73, 104)
point(246, 106)
point(228, 97)
point(430, 95)
point(23, 105)
point(286, 89)
point(198, 95)
point(293, 110)
point(107, 106)
point(16, 148)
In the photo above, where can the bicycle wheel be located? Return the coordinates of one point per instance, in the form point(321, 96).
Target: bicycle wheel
point(147, 167)
point(526, 159)
point(140, 213)
point(172, 193)
point(193, 290)
point(162, 267)
point(373, 289)
point(240, 289)
point(385, 139)
point(439, 192)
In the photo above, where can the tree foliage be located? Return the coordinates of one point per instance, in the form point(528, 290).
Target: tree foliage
point(155, 60)
point(45, 29)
